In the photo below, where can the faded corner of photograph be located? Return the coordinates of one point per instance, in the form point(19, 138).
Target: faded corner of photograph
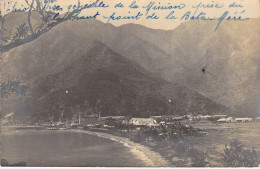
point(143, 83)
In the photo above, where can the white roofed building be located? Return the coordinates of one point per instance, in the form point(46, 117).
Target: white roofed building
point(226, 120)
point(242, 120)
point(257, 119)
point(142, 121)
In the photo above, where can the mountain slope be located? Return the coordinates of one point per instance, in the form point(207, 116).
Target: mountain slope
point(120, 86)
point(69, 73)
point(229, 56)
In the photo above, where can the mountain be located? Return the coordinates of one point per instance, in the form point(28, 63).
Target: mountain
point(122, 87)
point(68, 72)
point(222, 65)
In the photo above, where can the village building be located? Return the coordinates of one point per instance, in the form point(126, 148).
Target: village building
point(139, 122)
point(257, 119)
point(194, 118)
point(8, 119)
point(173, 118)
point(216, 117)
point(219, 116)
point(113, 117)
point(243, 120)
point(204, 117)
point(222, 120)
point(156, 117)
point(226, 120)
point(179, 118)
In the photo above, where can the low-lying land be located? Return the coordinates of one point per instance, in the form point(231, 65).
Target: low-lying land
point(198, 144)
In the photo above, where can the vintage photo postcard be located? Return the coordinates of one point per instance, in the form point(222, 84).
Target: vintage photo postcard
point(130, 83)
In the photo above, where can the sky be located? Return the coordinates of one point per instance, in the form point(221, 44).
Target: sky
point(251, 9)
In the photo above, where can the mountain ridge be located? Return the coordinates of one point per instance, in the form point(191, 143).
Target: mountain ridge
point(98, 73)
point(161, 54)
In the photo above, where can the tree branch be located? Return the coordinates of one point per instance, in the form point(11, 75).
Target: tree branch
point(34, 35)
point(29, 18)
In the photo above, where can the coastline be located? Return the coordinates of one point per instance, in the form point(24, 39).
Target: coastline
point(170, 153)
point(149, 157)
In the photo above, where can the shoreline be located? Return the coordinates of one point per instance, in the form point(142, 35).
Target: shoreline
point(149, 157)
point(176, 153)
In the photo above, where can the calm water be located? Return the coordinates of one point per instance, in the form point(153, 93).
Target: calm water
point(218, 135)
point(221, 134)
point(63, 148)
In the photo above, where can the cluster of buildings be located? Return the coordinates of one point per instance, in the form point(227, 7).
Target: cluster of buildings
point(8, 119)
point(94, 120)
point(238, 120)
point(154, 121)
point(224, 119)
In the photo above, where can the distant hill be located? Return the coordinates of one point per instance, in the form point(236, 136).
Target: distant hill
point(223, 65)
point(68, 72)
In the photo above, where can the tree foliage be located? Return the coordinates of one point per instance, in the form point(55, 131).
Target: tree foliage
point(4, 162)
point(236, 155)
point(197, 158)
point(26, 32)
point(12, 87)
point(21, 31)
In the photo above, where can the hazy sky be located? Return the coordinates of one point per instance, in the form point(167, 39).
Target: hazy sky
point(251, 7)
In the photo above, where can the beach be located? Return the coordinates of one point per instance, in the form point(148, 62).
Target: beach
point(152, 158)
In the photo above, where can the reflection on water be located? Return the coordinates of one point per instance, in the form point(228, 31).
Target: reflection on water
point(64, 148)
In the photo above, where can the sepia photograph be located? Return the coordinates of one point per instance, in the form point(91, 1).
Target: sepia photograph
point(130, 83)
